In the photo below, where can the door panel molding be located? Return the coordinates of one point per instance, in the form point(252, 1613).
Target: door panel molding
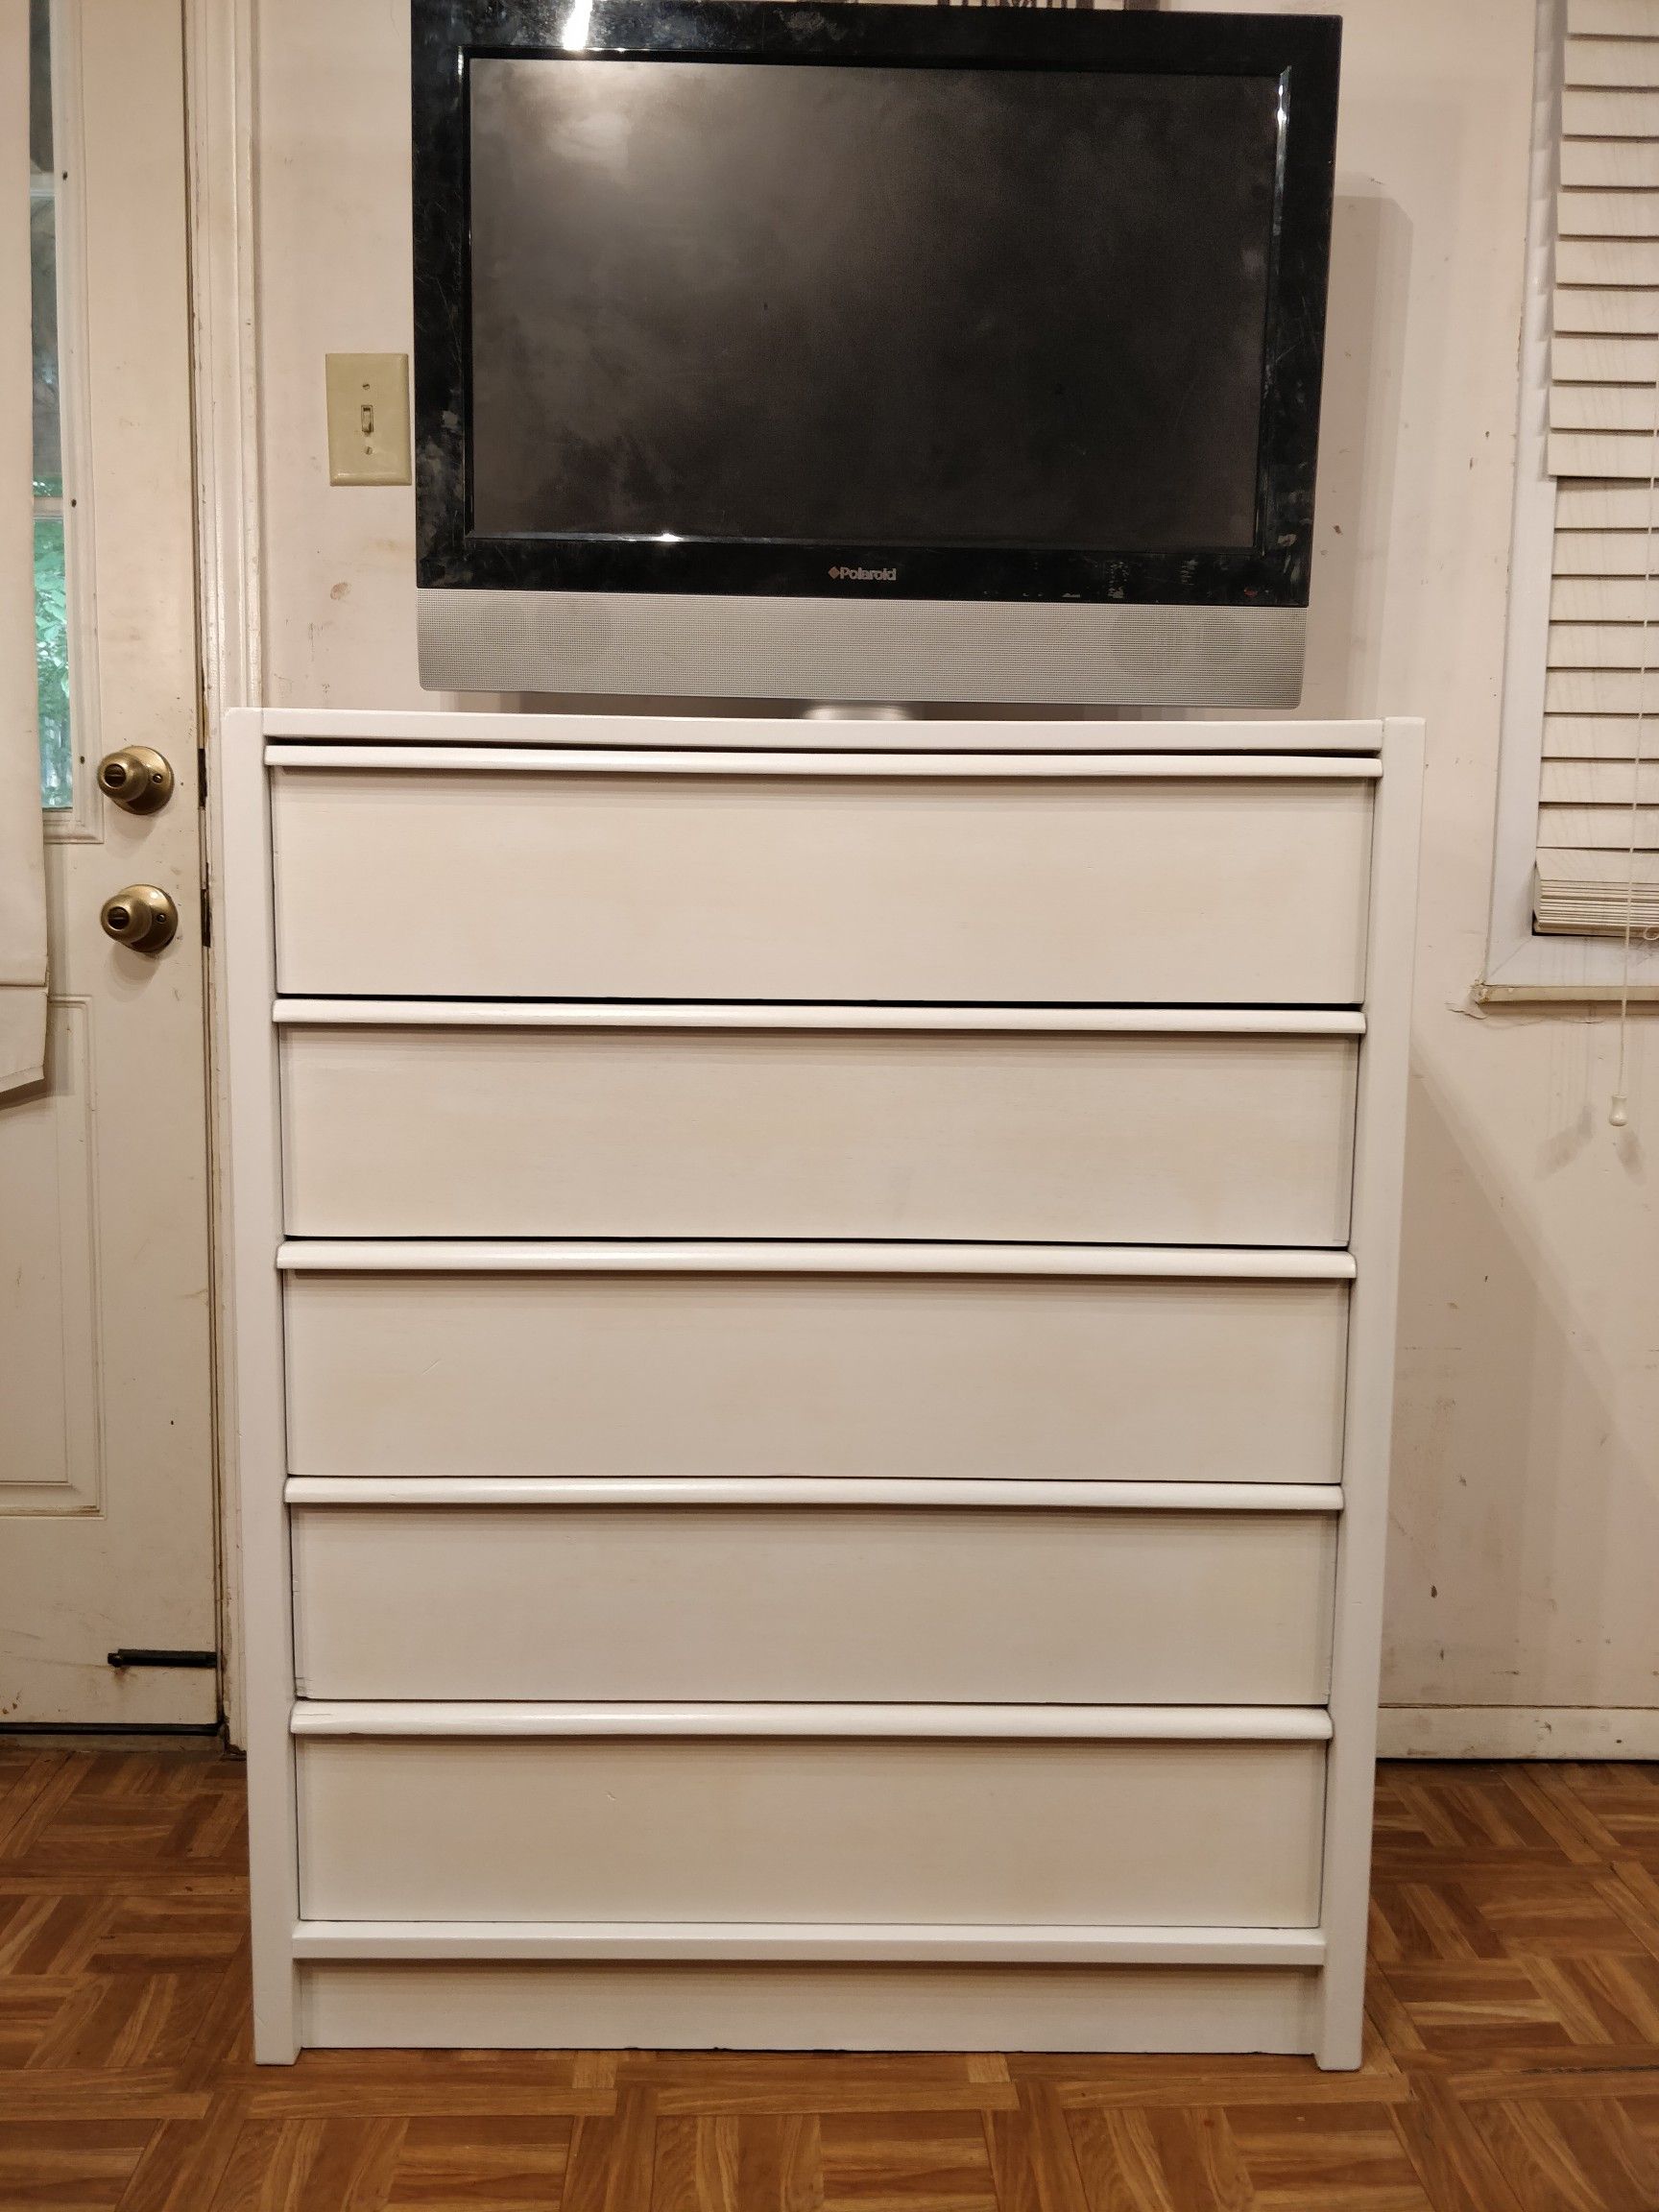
point(59, 1230)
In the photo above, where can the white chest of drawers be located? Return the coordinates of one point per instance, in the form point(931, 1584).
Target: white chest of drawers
point(813, 1347)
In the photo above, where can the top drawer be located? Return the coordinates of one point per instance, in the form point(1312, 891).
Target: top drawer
point(516, 873)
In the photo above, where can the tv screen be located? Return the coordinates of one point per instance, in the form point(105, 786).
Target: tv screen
point(752, 337)
point(872, 306)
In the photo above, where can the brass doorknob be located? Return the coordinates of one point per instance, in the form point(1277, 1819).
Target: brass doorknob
point(140, 917)
point(138, 777)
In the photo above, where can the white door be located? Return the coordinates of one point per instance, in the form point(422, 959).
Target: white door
point(106, 1523)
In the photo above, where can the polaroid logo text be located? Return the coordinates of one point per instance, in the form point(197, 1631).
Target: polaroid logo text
point(864, 575)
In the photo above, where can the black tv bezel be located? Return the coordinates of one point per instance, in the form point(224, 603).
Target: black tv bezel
point(1301, 51)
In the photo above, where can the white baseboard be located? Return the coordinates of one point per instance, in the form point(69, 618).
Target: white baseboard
point(1518, 1732)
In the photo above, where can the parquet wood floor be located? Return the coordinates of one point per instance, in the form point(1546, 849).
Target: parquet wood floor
point(1512, 2064)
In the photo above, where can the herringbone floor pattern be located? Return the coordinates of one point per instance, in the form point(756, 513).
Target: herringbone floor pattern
point(1513, 2064)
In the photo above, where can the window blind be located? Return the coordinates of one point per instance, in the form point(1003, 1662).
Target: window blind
point(1598, 795)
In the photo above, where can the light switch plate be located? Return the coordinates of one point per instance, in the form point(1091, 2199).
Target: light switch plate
point(368, 418)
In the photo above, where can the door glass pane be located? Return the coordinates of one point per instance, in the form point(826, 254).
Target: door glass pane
point(52, 661)
point(51, 609)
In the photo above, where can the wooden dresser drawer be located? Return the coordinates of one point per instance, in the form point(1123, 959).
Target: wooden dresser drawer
point(559, 1121)
point(508, 873)
point(660, 1362)
point(833, 1604)
point(798, 1827)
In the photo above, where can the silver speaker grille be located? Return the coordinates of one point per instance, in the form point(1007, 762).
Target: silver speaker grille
point(909, 651)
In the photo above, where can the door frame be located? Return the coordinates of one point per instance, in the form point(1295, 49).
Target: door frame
point(219, 89)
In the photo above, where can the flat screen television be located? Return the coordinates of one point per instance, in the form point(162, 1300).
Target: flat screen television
point(868, 353)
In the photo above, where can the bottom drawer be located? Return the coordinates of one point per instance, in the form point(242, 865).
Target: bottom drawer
point(755, 1828)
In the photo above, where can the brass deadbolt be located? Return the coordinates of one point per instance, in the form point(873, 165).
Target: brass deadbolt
point(140, 917)
point(138, 777)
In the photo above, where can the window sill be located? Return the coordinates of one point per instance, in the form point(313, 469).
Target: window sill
point(1569, 971)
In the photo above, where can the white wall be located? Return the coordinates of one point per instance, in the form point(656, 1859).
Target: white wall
point(1527, 1476)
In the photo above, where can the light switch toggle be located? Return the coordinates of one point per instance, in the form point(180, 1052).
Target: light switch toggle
point(368, 418)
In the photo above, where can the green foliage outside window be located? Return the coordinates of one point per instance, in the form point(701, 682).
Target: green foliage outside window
point(52, 662)
point(51, 595)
